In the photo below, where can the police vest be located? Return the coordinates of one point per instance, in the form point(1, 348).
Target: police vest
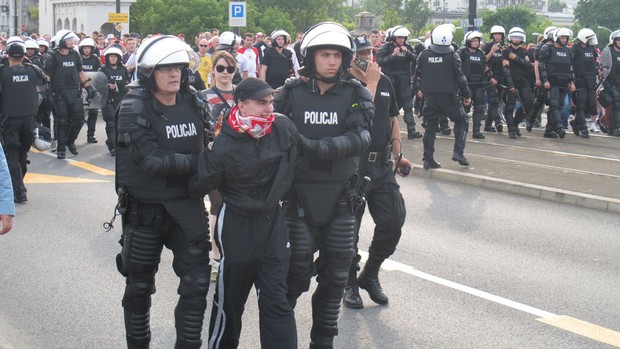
point(118, 76)
point(584, 61)
point(559, 65)
point(64, 72)
point(473, 65)
point(437, 75)
point(518, 72)
point(177, 129)
point(495, 63)
point(317, 116)
point(614, 74)
point(92, 63)
point(19, 90)
point(36, 60)
point(399, 64)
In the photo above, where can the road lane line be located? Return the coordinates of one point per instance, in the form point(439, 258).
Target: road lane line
point(564, 322)
point(36, 178)
point(584, 328)
point(92, 168)
point(4, 344)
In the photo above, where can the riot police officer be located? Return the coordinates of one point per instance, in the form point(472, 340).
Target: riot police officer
point(161, 127)
point(90, 62)
point(479, 77)
point(118, 77)
point(397, 60)
point(610, 65)
point(32, 53)
point(19, 97)
point(383, 197)
point(493, 51)
point(277, 62)
point(540, 98)
point(557, 77)
point(443, 85)
point(64, 67)
point(332, 116)
point(585, 57)
point(516, 67)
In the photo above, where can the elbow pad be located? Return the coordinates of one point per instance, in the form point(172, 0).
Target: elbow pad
point(346, 145)
point(168, 165)
point(508, 76)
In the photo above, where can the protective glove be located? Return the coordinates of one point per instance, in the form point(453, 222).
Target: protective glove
point(90, 92)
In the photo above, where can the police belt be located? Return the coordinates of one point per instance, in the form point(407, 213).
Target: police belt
point(373, 156)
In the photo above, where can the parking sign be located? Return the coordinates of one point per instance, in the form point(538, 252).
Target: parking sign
point(236, 14)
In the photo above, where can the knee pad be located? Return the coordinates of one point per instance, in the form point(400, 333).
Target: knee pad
point(108, 112)
point(138, 292)
point(62, 109)
point(77, 111)
point(141, 251)
point(301, 266)
point(337, 251)
point(195, 284)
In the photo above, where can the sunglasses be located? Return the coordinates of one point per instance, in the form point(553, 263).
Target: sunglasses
point(221, 68)
point(204, 45)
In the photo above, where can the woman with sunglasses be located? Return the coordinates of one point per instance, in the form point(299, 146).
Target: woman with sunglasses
point(220, 97)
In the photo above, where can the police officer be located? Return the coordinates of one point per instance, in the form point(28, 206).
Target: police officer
point(383, 197)
point(610, 65)
point(479, 76)
point(443, 84)
point(397, 60)
point(332, 116)
point(253, 167)
point(118, 77)
point(540, 93)
point(516, 67)
point(556, 74)
point(277, 62)
point(90, 62)
point(160, 135)
point(493, 51)
point(18, 88)
point(32, 53)
point(43, 114)
point(585, 57)
point(64, 67)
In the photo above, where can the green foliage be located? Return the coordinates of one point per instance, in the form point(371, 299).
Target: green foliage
point(508, 17)
point(592, 13)
point(33, 12)
point(556, 5)
point(412, 14)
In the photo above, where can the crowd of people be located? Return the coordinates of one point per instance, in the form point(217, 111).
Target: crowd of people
point(291, 141)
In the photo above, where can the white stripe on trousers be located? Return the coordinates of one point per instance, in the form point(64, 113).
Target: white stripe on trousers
point(220, 319)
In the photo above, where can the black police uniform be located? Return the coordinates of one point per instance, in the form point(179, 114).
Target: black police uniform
point(516, 75)
point(478, 77)
point(18, 88)
point(157, 152)
point(494, 91)
point(333, 129)
point(441, 82)
point(120, 77)
point(540, 94)
point(383, 197)
point(252, 176)
point(556, 66)
point(91, 63)
point(66, 86)
point(400, 69)
point(611, 84)
point(585, 64)
point(279, 66)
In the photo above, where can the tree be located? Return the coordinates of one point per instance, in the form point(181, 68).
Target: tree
point(556, 5)
point(591, 13)
point(417, 14)
point(508, 17)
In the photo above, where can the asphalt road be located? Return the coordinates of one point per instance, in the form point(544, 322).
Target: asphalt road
point(475, 268)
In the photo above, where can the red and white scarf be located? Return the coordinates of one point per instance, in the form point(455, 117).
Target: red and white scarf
point(255, 126)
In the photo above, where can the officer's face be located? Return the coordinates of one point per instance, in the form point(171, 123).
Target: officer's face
point(327, 62)
point(497, 37)
point(87, 50)
point(168, 79)
point(113, 59)
point(365, 55)
point(563, 40)
point(262, 107)
point(280, 41)
point(617, 43)
point(400, 40)
point(30, 52)
point(475, 43)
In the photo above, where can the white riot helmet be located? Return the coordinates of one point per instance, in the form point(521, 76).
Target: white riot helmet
point(516, 33)
point(613, 36)
point(560, 33)
point(473, 35)
point(587, 36)
point(227, 41)
point(87, 42)
point(449, 26)
point(388, 34)
point(498, 29)
point(279, 32)
point(427, 43)
point(15, 47)
point(548, 33)
point(43, 42)
point(326, 35)
point(32, 44)
point(63, 37)
point(160, 51)
point(113, 50)
point(42, 138)
point(400, 31)
point(441, 39)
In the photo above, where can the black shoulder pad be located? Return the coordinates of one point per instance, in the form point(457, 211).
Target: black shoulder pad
point(132, 104)
point(292, 82)
point(354, 82)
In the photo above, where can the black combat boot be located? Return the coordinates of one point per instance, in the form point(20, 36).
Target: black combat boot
point(369, 281)
point(460, 158)
point(72, 148)
point(412, 133)
point(352, 297)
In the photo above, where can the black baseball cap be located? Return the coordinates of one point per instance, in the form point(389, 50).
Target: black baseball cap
point(362, 43)
point(252, 88)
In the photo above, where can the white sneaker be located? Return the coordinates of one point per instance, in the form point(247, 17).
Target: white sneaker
point(594, 129)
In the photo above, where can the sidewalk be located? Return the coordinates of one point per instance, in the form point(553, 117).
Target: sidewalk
point(573, 170)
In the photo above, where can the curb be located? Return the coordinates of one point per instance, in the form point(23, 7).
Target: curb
point(600, 203)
